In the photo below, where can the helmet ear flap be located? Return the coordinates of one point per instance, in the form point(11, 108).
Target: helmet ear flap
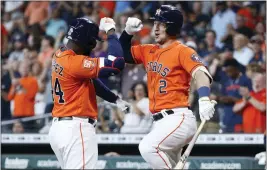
point(172, 29)
point(92, 44)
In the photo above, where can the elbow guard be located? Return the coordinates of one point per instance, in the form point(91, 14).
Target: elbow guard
point(110, 66)
point(203, 69)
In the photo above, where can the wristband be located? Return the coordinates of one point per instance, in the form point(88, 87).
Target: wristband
point(203, 91)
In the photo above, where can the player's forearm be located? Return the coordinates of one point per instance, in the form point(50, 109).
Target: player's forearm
point(125, 40)
point(104, 92)
point(202, 84)
point(114, 46)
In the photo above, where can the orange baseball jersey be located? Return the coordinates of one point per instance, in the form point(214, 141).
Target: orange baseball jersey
point(168, 73)
point(24, 98)
point(254, 121)
point(72, 86)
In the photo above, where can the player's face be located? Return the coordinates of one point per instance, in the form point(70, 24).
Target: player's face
point(160, 32)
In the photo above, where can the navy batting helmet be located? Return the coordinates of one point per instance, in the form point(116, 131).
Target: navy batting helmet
point(172, 17)
point(84, 32)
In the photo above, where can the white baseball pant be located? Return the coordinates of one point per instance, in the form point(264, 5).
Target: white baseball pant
point(162, 147)
point(74, 143)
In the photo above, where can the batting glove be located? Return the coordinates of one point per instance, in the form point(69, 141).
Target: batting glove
point(261, 157)
point(106, 24)
point(206, 108)
point(133, 25)
point(123, 105)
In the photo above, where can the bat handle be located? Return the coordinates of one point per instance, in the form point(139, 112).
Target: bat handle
point(180, 165)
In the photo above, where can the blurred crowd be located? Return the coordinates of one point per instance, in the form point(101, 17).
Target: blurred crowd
point(228, 36)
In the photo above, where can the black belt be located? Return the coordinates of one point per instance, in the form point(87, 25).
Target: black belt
point(158, 116)
point(90, 120)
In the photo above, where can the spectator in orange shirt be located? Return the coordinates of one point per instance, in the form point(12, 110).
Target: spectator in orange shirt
point(253, 105)
point(23, 92)
point(106, 8)
point(4, 41)
point(36, 12)
point(250, 14)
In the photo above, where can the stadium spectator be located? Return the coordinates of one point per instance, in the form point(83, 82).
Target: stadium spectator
point(35, 36)
point(31, 54)
point(220, 20)
point(252, 69)
point(89, 12)
point(211, 49)
point(105, 8)
point(231, 32)
point(23, 92)
point(242, 53)
point(199, 20)
point(252, 107)
point(249, 11)
point(13, 6)
point(5, 87)
point(18, 127)
point(4, 41)
point(47, 49)
point(110, 120)
point(36, 12)
point(256, 42)
point(38, 73)
point(17, 54)
point(138, 119)
point(55, 24)
point(235, 79)
point(131, 74)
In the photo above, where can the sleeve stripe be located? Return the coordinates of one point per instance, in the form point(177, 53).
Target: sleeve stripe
point(101, 62)
point(111, 57)
point(201, 68)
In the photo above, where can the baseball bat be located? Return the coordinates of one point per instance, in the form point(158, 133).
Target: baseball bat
point(187, 152)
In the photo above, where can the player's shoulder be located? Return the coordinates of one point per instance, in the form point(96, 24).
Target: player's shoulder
point(147, 46)
point(63, 53)
point(184, 46)
point(185, 49)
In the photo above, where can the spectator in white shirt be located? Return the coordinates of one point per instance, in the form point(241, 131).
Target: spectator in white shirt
point(242, 53)
point(138, 119)
point(220, 20)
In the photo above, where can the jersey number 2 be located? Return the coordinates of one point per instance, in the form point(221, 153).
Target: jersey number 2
point(58, 91)
point(162, 85)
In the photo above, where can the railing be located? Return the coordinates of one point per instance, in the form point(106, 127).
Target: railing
point(203, 139)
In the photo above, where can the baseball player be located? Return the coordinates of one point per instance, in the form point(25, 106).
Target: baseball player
point(170, 65)
point(75, 86)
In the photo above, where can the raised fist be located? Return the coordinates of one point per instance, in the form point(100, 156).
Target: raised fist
point(133, 25)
